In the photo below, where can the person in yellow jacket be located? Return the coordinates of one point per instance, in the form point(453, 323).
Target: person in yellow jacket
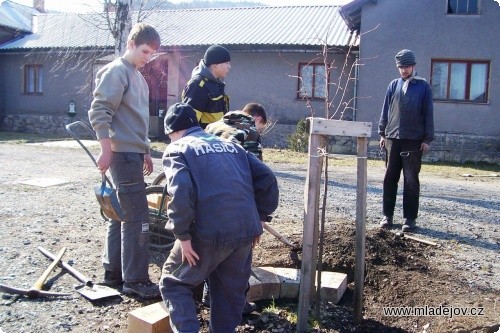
point(204, 92)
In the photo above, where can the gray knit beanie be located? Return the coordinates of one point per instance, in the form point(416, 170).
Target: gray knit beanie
point(405, 58)
point(216, 54)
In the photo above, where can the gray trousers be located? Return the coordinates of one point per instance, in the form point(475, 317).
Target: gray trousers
point(126, 252)
point(228, 271)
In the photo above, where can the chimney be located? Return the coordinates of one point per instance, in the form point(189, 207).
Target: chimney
point(34, 24)
point(39, 5)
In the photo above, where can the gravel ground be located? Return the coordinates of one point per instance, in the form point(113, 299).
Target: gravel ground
point(461, 214)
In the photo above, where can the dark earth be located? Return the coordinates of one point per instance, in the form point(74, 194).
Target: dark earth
point(460, 215)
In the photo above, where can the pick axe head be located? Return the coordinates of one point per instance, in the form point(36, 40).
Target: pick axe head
point(31, 293)
point(36, 289)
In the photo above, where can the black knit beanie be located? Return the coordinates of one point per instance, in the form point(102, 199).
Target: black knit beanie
point(216, 54)
point(405, 58)
point(180, 116)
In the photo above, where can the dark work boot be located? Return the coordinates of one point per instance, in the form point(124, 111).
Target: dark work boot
point(386, 222)
point(112, 279)
point(249, 308)
point(145, 289)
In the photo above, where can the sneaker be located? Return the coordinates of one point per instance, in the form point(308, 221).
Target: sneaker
point(146, 289)
point(409, 225)
point(249, 308)
point(386, 222)
point(112, 280)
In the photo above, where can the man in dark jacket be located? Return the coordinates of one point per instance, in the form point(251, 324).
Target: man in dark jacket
point(406, 129)
point(219, 196)
point(205, 90)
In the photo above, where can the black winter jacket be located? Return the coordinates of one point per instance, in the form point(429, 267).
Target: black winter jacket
point(206, 95)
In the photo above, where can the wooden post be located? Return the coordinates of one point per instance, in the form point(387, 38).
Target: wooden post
point(319, 130)
point(311, 229)
point(359, 269)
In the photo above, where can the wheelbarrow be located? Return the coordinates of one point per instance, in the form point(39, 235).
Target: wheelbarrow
point(160, 238)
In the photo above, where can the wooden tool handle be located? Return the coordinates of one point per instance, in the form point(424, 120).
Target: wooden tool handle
point(276, 234)
point(41, 281)
point(66, 266)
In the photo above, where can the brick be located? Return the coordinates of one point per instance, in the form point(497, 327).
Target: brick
point(153, 318)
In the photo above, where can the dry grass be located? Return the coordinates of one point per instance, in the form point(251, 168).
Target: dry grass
point(287, 156)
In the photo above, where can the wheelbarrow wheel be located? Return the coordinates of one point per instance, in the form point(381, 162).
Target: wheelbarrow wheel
point(160, 238)
point(160, 179)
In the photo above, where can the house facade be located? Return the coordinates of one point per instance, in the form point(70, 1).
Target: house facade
point(47, 68)
point(47, 76)
point(456, 48)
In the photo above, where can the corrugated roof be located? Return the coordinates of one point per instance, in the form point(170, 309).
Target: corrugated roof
point(16, 16)
point(272, 26)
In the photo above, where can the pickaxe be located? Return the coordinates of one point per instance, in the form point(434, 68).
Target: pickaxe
point(36, 289)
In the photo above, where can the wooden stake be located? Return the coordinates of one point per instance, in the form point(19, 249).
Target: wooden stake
point(359, 269)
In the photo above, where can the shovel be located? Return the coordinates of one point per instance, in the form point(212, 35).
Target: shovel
point(276, 234)
point(88, 289)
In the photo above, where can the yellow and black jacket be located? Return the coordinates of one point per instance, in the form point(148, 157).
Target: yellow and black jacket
point(206, 95)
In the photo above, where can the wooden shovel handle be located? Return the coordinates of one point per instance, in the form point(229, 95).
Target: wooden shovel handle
point(276, 234)
point(41, 280)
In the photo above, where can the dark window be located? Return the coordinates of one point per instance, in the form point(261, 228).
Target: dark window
point(460, 80)
point(312, 81)
point(33, 79)
point(463, 6)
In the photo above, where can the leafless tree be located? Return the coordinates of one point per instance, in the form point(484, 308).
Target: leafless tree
point(336, 105)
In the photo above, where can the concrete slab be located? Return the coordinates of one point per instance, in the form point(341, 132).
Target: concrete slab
point(289, 281)
point(44, 182)
point(264, 284)
point(333, 286)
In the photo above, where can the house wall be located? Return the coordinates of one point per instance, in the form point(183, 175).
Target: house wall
point(424, 27)
point(270, 78)
point(66, 77)
point(3, 82)
point(265, 77)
